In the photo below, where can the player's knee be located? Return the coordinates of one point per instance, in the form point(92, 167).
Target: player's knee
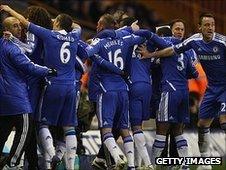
point(124, 132)
point(223, 127)
point(177, 129)
point(204, 123)
point(136, 128)
point(162, 128)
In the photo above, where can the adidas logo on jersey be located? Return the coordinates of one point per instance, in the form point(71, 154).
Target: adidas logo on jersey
point(199, 49)
point(44, 119)
point(171, 117)
point(105, 123)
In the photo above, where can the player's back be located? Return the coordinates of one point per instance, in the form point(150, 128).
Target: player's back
point(60, 49)
point(60, 53)
point(140, 70)
point(114, 51)
point(175, 69)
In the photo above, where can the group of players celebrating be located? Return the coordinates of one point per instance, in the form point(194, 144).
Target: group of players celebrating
point(133, 70)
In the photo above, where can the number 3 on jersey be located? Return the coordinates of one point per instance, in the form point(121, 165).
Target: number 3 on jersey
point(116, 59)
point(65, 53)
point(180, 60)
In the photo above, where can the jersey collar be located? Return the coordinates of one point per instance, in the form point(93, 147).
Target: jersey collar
point(62, 32)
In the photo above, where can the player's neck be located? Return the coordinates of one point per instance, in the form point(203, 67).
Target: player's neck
point(208, 39)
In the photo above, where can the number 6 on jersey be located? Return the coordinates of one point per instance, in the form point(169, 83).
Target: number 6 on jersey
point(116, 59)
point(65, 53)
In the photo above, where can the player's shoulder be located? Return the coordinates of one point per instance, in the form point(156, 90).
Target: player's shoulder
point(129, 36)
point(11, 47)
point(194, 37)
point(95, 41)
point(219, 38)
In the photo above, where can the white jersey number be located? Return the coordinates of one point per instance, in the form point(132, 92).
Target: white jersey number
point(65, 53)
point(116, 59)
point(223, 106)
point(180, 65)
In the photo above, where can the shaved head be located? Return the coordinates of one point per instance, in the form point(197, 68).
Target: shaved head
point(12, 25)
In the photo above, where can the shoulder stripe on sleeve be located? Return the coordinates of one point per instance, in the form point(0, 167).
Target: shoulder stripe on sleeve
point(194, 37)
point(220, 38)
point(125, 37)
point(81, 64)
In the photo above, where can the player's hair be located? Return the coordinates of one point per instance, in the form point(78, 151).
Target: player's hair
point(176, 20)
point(118, 15)
point(164, 32)
point(108, 21)
point(205, 14)
point(65, 22)
point(127, 21)
point(39, 16)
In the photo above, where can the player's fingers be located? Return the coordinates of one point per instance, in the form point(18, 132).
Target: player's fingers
point(142, 47)
point(135, 22)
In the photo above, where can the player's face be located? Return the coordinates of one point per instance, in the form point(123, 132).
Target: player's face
point(99, 25)
point(178, 30)
point(15, 28)
point(207, 28)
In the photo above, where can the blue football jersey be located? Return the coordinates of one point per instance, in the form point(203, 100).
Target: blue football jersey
point(60, 50)
point(211, 56)
point(139, 69)
point(114, 51)
point(175, 69)
point(14, 64)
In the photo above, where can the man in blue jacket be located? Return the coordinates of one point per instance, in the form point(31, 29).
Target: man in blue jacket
point(14, 102)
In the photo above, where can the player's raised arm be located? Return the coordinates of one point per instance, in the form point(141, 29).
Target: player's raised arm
point(37, 30)
point(133, 40)
point(12, 12)
point(76, 28)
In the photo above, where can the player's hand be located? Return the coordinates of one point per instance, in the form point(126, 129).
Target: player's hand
point(52, 72)
point(5, 8)
point(135, 26)
point(7, 35)
point(144, 52)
